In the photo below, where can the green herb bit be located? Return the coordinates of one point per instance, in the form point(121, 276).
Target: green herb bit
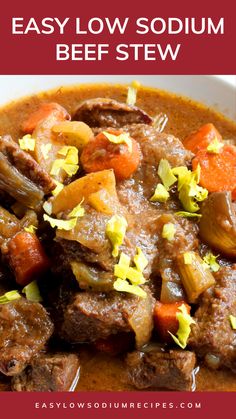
point(184, 330)
point(168, 231)
point(232, 320)
point(160, 194)
point(32, 292)
point(210, 260)
point(165, 174)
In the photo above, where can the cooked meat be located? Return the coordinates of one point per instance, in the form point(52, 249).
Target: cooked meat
point(57, 372)
point(156, 368)
point(91, 316)
point(25, 328)
point(91, 239)
point(134, 194)
point(156, 146)
point(94, 248)
point(213, 336)
point(103, 112)
point(73, 250)
point(25, 164)
point(21, 176)
point(85, 267)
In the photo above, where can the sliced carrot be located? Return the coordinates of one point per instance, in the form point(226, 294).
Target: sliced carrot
point(45, 110)
point(165, 319)
point(200, 139)
point(27, 257)
point(101, 154)
point(234, 194)
point(218, 171)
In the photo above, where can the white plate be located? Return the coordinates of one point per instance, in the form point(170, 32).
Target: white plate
point(211, 90)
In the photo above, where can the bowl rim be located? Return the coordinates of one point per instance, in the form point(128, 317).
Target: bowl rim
point(210, 90)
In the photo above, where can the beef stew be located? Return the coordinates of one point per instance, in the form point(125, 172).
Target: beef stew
point(118, 242)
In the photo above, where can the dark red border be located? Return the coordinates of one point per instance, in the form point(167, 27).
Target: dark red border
point(32, 405)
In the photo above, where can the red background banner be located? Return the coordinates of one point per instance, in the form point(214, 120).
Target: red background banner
point(139, 405)
point(199, 54)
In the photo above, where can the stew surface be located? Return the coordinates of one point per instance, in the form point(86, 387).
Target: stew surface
point(85, 322)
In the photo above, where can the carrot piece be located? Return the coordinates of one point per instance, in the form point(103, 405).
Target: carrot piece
point(27, 257)
point(201, 138)
point(218, 171)
point(101, 154)
point(234, 194)
point(165, 319)
point(45, 110)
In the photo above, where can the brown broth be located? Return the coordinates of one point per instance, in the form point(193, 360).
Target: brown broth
point(100, 372)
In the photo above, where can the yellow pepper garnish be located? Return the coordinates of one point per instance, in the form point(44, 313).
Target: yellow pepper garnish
point(69, 164)
point(160, 194)
point(115, 231)
point(215, 146)
point(123, 286)
point(32, 292)
point(30, 229)
point(27, 143)
point(9, 296)
point(168, 231)
point(123, 138)
point(184, 330)
point(232, 320)
point(210, 260)
point(61, 224)
point(189, 191)
point(58, 188)
point(78, 211)
point(129, 278)
point(132, 93)
point(165, 174)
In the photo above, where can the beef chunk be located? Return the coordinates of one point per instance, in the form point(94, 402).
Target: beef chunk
point(135, 195)
point(102, 112)
point(91, 316)
point(58, 372)
point(21, 176)
point(212, 336)
point(172, 370)
point(93, 249)
point(156, 146)
point(25, 327)
point(93, 244)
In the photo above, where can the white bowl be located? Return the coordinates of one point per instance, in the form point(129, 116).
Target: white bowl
point(211, 90)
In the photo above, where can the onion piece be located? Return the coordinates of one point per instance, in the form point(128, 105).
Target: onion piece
point(217, 226)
